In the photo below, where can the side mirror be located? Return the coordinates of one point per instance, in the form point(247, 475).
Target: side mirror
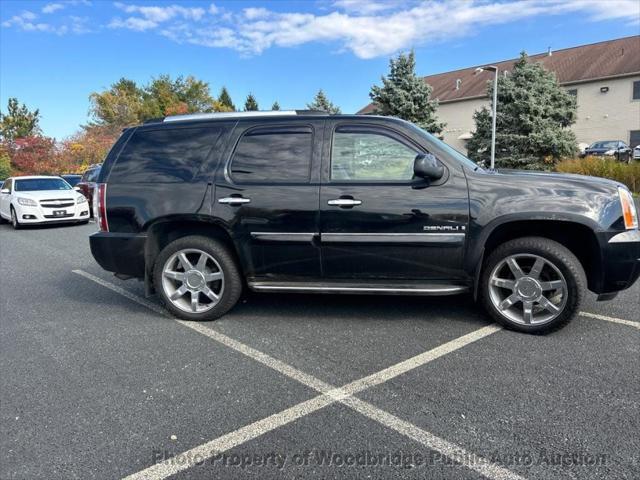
point(77, 189)
point(5, 191)
point(427, 166)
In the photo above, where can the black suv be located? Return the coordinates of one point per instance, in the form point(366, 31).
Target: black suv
point(201, 205)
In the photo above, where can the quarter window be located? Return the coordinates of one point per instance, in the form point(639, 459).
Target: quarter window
point(273, 155)
point(164, 155)
point(364, 156)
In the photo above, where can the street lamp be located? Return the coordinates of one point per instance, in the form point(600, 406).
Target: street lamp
point(495, 111)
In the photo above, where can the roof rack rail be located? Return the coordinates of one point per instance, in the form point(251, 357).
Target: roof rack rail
point(207, 116)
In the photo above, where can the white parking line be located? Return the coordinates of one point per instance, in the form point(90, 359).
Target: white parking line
point(621, 321)
point(329, 395)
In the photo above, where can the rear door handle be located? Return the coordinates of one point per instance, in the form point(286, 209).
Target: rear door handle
point(344, 202)
point(234, 200)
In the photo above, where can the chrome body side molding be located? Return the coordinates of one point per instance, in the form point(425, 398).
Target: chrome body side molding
point(262, 286)
point(284, 236)
point(453, 238)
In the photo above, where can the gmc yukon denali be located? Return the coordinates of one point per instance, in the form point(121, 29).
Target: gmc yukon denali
point(201, 206)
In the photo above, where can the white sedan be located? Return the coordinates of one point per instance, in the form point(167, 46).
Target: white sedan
point(40, 199)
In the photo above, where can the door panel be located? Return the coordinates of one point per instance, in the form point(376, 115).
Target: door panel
point(268, 196)
point(393, 231)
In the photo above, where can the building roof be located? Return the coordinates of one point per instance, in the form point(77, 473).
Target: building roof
point(612, 58)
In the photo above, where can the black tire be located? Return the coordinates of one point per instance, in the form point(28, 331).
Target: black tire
point(226, 260)
point(551, 251)
point(15, 223)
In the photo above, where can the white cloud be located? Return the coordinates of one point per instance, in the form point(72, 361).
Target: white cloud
point(52, 7)
point(162, 14)
point(28, 21)
point(367, 28)
point(364, 6)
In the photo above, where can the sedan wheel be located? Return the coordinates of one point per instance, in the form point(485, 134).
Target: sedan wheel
point(14, 219)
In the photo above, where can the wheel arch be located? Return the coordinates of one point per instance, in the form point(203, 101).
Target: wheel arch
point(166, 230)
point(578, 237)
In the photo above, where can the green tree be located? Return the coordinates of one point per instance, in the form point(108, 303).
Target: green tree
point(166, 96)
point(533, 120)
point(5, 162)
point(275, 106)
point(405, 95)
point(19, 121)
point(250, 104)
point(322, 103)
point(225, 99)
point(119, 106)
point(125, 103)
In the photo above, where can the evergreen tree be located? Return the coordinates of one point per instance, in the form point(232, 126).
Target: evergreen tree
point(225, 99)
point(250, 104)
point(533, 120)
point(5, 162)
point(405, 95)
point(275, 106)
point(19, 121)
point(322, 103)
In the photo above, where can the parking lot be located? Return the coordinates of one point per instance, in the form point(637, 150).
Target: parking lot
point(98, 382)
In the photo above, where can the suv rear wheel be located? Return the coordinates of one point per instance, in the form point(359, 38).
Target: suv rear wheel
point(197, 278)
point(532, 285)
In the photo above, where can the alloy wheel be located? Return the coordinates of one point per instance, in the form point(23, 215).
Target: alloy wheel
point(528, 289)
point(193, 280)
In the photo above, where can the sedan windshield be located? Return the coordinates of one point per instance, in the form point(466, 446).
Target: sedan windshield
point(34, 184)
point(609, 145)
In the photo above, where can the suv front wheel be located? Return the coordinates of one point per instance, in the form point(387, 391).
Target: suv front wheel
point(197, 278)
point(532, 285)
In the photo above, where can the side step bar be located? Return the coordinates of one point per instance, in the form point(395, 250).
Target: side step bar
point(404, 289)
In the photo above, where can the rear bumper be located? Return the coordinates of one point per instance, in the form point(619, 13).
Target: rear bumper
point(621, 260)
point(119, 252)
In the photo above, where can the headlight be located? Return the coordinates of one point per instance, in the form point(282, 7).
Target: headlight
point(609, 152)
point(629, 213)
point(81, 199)
point(27, 202)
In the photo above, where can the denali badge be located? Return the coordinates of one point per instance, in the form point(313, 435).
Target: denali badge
point(443, 228)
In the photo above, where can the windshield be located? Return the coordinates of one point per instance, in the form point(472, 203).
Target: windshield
point(72, 179)
point(608, 144)
point(448, 149)
point(34, 184)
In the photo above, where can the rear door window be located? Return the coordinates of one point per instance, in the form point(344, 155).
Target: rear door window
point(273, 155)
point(164, 155)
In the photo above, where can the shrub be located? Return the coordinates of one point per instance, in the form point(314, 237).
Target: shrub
point(629, 174)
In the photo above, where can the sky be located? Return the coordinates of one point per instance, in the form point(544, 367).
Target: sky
point(54, 54)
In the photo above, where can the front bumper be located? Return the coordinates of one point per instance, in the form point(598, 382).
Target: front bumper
point(121, 253)
point(31, 215)
point(621, 260)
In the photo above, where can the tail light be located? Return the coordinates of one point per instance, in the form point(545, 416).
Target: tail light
point(100, 206)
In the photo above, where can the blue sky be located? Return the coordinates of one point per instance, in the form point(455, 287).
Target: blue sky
point(53, 54)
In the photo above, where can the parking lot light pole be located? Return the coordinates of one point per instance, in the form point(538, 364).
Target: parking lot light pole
point(494, 111)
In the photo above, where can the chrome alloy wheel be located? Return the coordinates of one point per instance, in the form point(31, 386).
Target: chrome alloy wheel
point(532, 298)
point(192, 280)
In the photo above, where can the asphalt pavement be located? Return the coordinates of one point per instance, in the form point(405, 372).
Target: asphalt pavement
point(98, 382)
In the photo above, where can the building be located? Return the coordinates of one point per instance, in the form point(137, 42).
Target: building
point(605, 77)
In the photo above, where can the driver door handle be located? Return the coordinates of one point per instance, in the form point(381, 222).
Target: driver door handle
point(344, 202)
point(234, 200)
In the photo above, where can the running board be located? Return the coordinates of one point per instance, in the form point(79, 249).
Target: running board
point(326, 287)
